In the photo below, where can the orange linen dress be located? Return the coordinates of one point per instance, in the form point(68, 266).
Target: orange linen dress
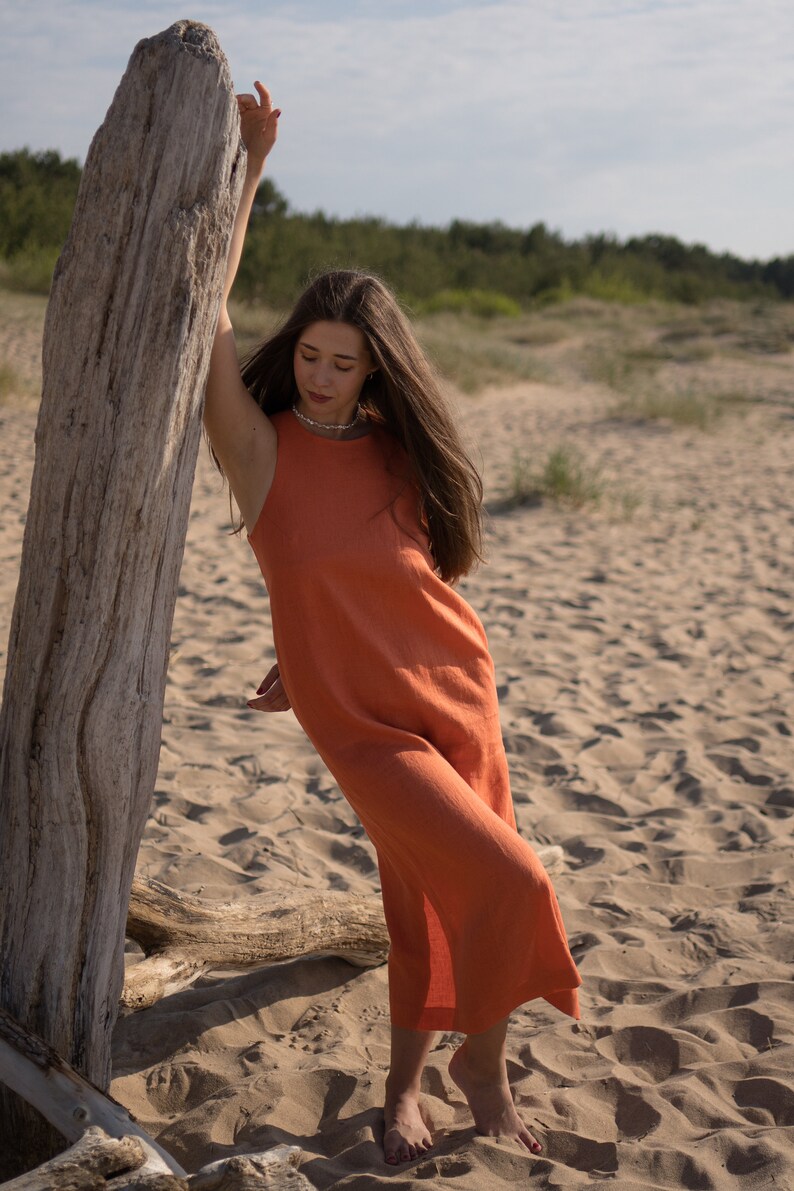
point(388, 671)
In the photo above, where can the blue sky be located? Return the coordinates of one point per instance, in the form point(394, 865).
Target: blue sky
point(628, 116)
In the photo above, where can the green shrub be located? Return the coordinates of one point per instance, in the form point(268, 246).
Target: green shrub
point(480, 302)
point(488, 270)
point(555, 295)
point(567, 478)
point(30, 270)
point(37, 196)
point(564, 477)
point(614, 288)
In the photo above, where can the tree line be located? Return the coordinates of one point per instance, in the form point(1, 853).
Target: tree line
point(490, 267)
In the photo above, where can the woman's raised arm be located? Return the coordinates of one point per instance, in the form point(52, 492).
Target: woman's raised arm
point(240, 433)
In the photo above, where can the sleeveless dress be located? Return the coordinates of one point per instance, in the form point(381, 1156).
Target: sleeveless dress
point(388, 672)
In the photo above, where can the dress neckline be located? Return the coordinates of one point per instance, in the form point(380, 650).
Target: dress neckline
point(321, 438)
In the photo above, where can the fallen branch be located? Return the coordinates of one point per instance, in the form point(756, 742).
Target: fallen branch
point(183, 936)
point(85, 1165)
point(69, 1102)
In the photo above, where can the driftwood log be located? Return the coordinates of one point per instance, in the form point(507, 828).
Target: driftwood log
point(110, 1149)
point(85, 1166)
point(183, 936)
point(129, 328)
point(65, 1098)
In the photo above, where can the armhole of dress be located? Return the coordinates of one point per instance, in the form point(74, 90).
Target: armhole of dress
point(276, 473)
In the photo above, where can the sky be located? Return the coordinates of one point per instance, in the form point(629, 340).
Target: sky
point(622, 116)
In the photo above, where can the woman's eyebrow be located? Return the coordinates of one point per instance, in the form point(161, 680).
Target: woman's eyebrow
point(337, 355)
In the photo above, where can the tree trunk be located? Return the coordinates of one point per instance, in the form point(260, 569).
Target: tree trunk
point(129, 327)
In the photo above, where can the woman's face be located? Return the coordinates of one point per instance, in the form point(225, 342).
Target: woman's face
point(331, 363)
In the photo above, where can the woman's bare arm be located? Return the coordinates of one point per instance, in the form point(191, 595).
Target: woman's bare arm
point(241, 435)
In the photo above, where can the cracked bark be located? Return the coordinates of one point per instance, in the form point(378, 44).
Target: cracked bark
point(126, 348)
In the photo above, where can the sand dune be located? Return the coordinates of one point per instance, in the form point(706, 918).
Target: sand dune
point(645, 670)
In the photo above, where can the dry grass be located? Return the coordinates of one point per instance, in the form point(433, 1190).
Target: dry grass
point(252, 324)
point(21, 330)
point(659, 362)
point(563, 477)
point(702, 408)
point(473, 355)
point(689, 367)
point(752, 328)
point(11, 383)
point(699, 410)
point(539, 332)
point(22, 310)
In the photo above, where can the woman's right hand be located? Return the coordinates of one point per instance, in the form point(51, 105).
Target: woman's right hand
point(271, 695)
point(258, 123)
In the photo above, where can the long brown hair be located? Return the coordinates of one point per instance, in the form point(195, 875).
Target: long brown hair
point(403, 395)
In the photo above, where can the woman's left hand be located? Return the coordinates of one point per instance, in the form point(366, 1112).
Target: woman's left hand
point(258, 123)
point(271, 695)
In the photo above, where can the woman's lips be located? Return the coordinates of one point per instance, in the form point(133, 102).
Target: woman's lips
point(318, 397)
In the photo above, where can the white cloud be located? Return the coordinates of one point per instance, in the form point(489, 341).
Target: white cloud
point(630, 115)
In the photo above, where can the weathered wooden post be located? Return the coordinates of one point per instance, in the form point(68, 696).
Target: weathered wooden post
point(126, 347)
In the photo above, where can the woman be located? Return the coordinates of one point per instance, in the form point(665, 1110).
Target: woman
point(362, 509)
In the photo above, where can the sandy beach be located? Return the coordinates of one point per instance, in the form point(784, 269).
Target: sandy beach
point(644, 653)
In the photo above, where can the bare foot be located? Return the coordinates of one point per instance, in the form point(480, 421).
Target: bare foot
point(490, 1100)
point(405, 1134)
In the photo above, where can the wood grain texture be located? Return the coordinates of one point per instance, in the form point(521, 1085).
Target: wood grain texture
point(84, 1166)
point(126, 349)
point(64, 1098)
point(183, 936)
